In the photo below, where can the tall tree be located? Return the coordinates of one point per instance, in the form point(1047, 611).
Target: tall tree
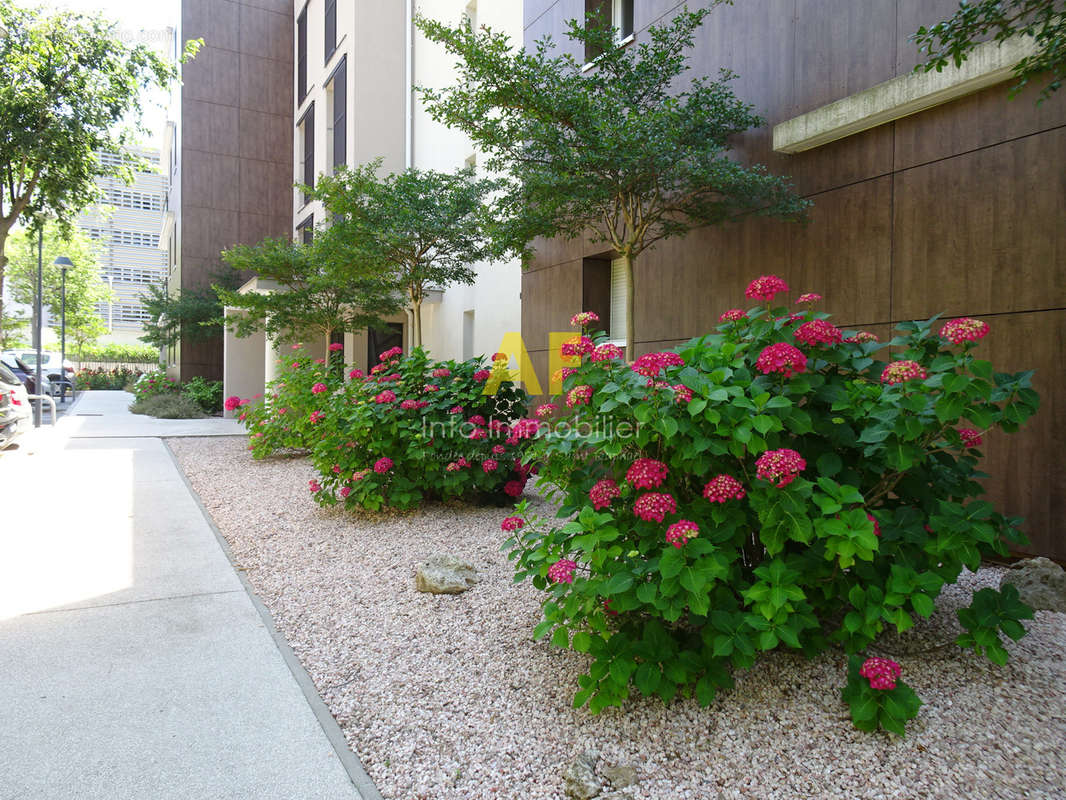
point(626, 151)
point(952, 40)
point(318, 288)
point(68, 83)
point(427, 229)
point(84, 287)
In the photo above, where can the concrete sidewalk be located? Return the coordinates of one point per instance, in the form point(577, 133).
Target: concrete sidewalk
point(134, 662)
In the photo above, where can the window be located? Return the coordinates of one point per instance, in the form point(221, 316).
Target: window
point(618, 14)
point(305, 231)
point(468, 335)
point(471, 15)
point(143, 201)
point(619, 301)
point(301, 56)
point(331, 28)
point(307, 133)
point(337, 116)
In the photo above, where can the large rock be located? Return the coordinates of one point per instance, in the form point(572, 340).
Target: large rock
point(445, 574)
point(580, 781)
point(1040, 582)
point(620, 775)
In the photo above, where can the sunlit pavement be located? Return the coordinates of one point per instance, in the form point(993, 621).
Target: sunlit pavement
point(134, 663)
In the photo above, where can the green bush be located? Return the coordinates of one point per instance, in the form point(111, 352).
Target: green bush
point(778, 484)
point(415, 430)
point(131, 353)
point(106, 379)
point(208, 394)
point(154, 383)
point(168, 406)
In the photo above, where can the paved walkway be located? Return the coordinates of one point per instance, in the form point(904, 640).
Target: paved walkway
point(133, 661)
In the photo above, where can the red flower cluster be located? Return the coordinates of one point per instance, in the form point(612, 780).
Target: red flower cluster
point(881, 672)
point(723, 487)
point(546, 409)
point(355, 373)
point(318, 388)
point(965, 329)
point(525, 428)
point(382, 465)
point(336, 347)
point(862, 337)
point(584, 318)
point(901, 371)
point(970, 437)
point(765, 287)
point(779, 467)
point(733, 315)
point(654, 506)
point(606, 352)
point(562, 571)
point(782, 359)
point(578, 346)
point(431, 387)
point(579, 396)
point(345, 491)
point(877, 525)
point(387, 396)
point(603, 493)
point(646, 473)
point(514, 488)
point(482, 375)
point(390, 353)
point(817, 332)
point(561, 375)
point(489, 465)
point(442, 372)
point(315, 416)
point(231, 404)
point(512, 524)
point(681, 531)
point(314, 486)
point(682, 394)
point(651, 364)
point(809, 297)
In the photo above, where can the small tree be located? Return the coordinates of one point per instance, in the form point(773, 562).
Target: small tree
point(319, 289)
point(625, 152)
point(67, 82)
point(425, 228)
point(1045, 20)
point(193, 314)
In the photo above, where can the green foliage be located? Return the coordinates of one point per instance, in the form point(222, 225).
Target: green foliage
point(989, 613)
point(435, 454)
point(424, 228)
point(207, 394)
point(126, 353)
point(191, 314)
point(887, 510)
point(873, 708)
point(154, 384)
point(108, 379)
point(68, 82)
point(627, 153)
point(168, 406)
point(14, 331)
point(952, 40)
point(323, 288)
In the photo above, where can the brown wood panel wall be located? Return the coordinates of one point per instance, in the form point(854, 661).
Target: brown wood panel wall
point(956, 210)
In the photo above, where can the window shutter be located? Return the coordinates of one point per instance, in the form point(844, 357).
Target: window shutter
point(340, 114)
point(619, 293)
point(309, 149)
point(331, 27)
point(301, 56)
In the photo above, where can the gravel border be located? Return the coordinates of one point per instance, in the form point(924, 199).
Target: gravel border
point(448, 697)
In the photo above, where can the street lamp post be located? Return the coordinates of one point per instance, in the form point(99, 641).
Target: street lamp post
point(64, 264)
point(39, 325)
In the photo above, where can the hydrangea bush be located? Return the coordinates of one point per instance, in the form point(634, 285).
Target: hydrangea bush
point(781, 483)
point(415, 430)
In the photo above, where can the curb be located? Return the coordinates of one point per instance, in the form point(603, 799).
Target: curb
point(349, 760)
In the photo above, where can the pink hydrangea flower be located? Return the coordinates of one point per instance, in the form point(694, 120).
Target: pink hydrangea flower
point(782, 359)
point(578, 346)
point(441, 372)
point(431, 387)
point(765, 287)
point(651, 364)
point(964, 329)
point(320, 361)
point(881, 672)
point(355, 373)
point(297, 346)
point(579, 396)
point(336, 347)
point(514, 488)
point(452, 467)
point(482, 375)
point(562, 374)
point(525, 428)
point(862, 337)
point(733, 315)
point(295, 364)
point(314, 486)
point(901, 371)
point(681, 531)
point(479, 433)
point(382, 465)
point(654, 506)
point(603, 493)
point(387, 396)
point(455, 410)
point(607, 352)
point(318, 388)
point(408, 404)
point(232, 403)
point(512, 524)
point(462, 462)
point(971, 437)
point(877, 525)
point(562, 571)
point(489, 465)
point(682, 394)
point(808, 297)
point(817, 332)
point(315, 416)
point(584, 318)
point(722, 488)
point(779, 467)
point(359, 474)
point(345, 491)
point(546, 409)
point(646, 473)
point(390, 353)
point(477, 419)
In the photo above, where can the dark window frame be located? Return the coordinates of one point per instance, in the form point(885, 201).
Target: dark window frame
point(338, 79)
point(301, 56)
point(330, 33)
point(307, 123)
point(603, 11)
point(306, 229)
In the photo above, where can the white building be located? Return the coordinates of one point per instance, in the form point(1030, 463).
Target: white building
point(126, 223)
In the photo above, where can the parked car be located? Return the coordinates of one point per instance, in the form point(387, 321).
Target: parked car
point(50, 366)
point(26, 374)
point(15, 411)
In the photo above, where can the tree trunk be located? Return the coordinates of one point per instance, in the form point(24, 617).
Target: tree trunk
point(630, 295)
point(416, 336)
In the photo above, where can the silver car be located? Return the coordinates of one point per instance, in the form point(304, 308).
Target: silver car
point(15, 411)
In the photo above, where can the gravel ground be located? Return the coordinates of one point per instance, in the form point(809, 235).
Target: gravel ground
point(448, 696)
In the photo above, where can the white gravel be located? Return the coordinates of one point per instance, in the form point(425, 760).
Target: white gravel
point(448, 696)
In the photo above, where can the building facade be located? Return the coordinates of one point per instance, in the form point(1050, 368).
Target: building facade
point(126, 223)
point(955, 209)
point(230, 149)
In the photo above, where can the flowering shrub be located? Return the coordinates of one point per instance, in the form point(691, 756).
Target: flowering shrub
point(806, 490)
point(877, 697)
point(154, 383)
point(432, 434)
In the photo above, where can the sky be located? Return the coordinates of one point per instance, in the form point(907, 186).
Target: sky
point(139, 21)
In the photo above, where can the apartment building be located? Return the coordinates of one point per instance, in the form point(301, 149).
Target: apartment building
point(126, 224)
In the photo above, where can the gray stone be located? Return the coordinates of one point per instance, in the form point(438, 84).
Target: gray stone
point(445, 574)
point(1041, 583)
point(579, 780)
point(621, 775)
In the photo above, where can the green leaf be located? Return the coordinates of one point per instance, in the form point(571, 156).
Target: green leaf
point(829, 464)
point(619, 583)
point(691, 580)
point(582, 641)
point(922, 604)
point(671, 562)
point(560, 638)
